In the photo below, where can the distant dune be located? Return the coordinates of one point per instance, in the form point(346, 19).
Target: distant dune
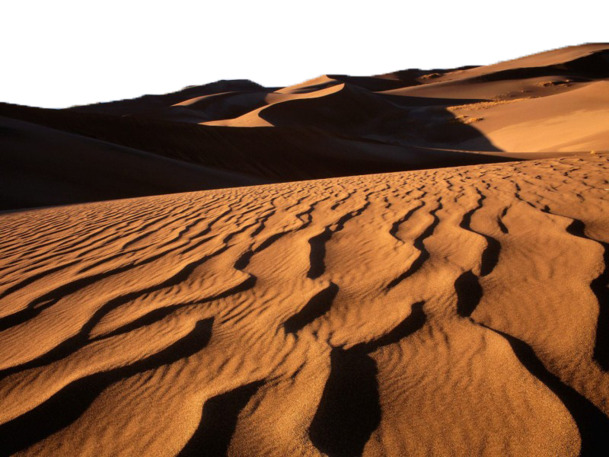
point(237, 132)
point(456, 306)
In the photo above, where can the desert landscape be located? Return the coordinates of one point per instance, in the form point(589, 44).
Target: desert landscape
point(407, 264)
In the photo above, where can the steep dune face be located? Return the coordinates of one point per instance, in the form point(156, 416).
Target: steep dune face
point(337, 125)
point(456, 311)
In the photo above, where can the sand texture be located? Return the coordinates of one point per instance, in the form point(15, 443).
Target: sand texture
point(457, 311)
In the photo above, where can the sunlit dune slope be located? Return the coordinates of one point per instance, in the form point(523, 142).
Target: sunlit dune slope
point(456, 311)
point(575, 120)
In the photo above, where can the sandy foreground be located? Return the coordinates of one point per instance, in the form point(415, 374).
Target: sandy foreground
point(455, 311)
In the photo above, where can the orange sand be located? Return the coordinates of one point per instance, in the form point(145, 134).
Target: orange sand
point(450, 311)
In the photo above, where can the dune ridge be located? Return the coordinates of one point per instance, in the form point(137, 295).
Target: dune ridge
point(233, 133)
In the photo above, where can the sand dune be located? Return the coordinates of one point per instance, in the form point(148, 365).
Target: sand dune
point(334, 125)
point(254, 118)
point(43, 166)
point(573, 120)
point(453, 311)
point(444, 290)
point(246, 155)
point(553, 101)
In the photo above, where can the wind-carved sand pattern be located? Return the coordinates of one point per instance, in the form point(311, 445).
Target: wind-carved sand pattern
point(457, 311)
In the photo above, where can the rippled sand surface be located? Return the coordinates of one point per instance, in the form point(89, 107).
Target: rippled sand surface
point(455, 311)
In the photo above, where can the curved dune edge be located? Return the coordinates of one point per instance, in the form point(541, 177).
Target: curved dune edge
point(253, 118)
point(458, 310)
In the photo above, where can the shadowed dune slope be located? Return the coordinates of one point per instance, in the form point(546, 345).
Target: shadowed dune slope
point(553, 103)
point(454, 311)
point(244, 155)
point(43, 166)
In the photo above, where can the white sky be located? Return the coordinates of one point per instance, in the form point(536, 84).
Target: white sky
point(58, 53)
